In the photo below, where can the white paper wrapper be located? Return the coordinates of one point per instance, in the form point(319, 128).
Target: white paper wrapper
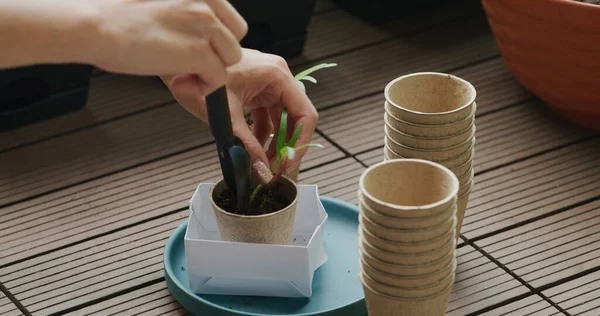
point(231, 268)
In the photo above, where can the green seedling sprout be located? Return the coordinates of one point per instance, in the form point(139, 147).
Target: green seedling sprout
point(286, 149)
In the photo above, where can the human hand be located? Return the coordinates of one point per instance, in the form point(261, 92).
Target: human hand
point(264, 84)
point(162, 37)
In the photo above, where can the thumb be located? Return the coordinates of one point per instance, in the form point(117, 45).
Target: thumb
point(251, 143)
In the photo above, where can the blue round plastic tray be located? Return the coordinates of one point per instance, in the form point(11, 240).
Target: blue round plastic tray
point(337, 290)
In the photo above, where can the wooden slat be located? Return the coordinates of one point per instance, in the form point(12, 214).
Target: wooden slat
point(578, 297)
point(124, 198)
point(531, 188)
point(110, 96)
point(551, 249)
point(358, 126)
point(338, 31)
point(92, 269)
point(107, 148)
point(7, 308)
point(531, 305)
point(337, 180)
point(479, 284)
point(152, 300)
point(368, 70)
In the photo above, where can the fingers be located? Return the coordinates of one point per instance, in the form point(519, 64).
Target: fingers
point(262, 125)
point(225, 45)
point(212, 73)
point(253, 147)
point(185, 91)
point(229, 16)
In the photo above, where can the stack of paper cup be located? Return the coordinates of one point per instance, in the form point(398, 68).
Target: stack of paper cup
point(407, 237)
point(431, 116)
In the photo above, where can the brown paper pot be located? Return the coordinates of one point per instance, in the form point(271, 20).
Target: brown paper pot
point(273, 228)
point(403, 222)
point(464, 158)
point(408, 258)
point(408, 235)
point(431, 154)
point(406, 292)
point(408, 188)
point(415, 248)
point(463, 190)
point(466, 178)
point(408, 282)
point(379, 304)
point(463, 169)
point(430, 98)
point(424, 130)
point(429, 142)
point(461, 210)
point(405, 270)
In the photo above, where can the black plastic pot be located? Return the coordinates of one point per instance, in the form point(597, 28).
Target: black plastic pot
point(35, 93)
point(383, 11)
point(275, 26)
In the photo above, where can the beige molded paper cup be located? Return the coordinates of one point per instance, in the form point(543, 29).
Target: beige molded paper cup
point(464, 189)
point(404, 222)
point(465, 157)
point(408, 258)
point(429, 142)
point(409, 282)
point(379, 304)
point(407, 292)
point(463, 169)
point(430, 98)
point(461, 211)
point(273, 228)
point(408, 188)
point(414, 248)
point(466, 178)
point(408, 235)
point(431, 154)
point(406, 270)
point(424, 130)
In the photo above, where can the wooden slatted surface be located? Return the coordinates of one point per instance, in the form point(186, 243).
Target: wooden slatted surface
point(89, 199)
point(578, 297)
point(7, 308)
point(479, 284)
point(532, 305)
point(531, 188)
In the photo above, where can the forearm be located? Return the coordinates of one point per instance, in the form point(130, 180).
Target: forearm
point(49, 31)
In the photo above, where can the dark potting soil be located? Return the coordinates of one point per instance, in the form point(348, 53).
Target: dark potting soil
point(268, 200)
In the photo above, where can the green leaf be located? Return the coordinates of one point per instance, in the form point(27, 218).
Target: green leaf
point(310, 70)
point(309, 145)
point(309, 78)
point(282, 130)
point(302, 85)
point(295, 137)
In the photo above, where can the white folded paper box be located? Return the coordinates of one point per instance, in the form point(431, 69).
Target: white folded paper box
point(233, 268)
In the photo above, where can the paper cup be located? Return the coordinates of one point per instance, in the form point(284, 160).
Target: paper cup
point(423, 130)
point(405, 270)
point(465, 157)
point(429, 142)
point(431, 154)
point(415, 248)
point(408, 258)
point(408, 188)
point(430, 98)
point(409, 282)
point(463, 169)
point(408, 235)
point(466, 178)
point(404, 292)
point(465, 188)
point(461, 211)
point(379, 304)
point(404, 222)
point(273, 228)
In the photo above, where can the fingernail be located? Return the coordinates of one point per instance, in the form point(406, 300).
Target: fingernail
point(263, 172)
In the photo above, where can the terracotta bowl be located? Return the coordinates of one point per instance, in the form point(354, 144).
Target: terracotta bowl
point(552, 47)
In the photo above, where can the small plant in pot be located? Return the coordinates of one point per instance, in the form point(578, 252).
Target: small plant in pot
point(268, 217)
